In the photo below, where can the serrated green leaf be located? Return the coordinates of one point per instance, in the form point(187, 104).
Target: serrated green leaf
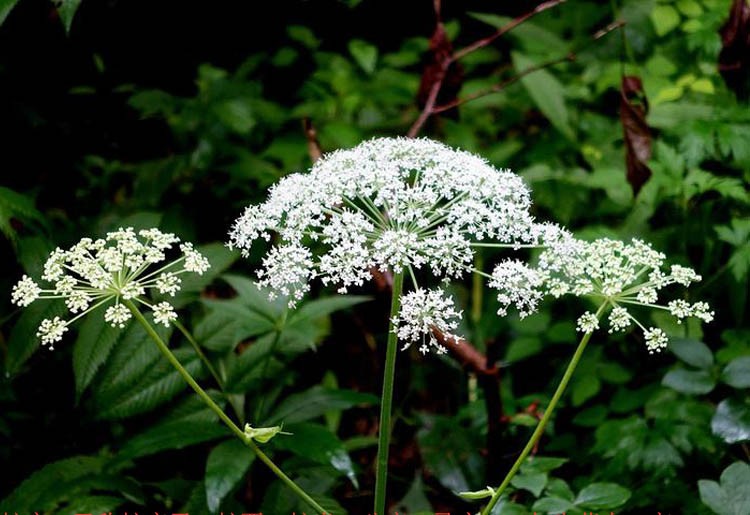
point(691, 382)
point(94, 504)
point(12, 203)
point(315, 402)
point(737, 372)
point(317, 443)
point(584, 388)
point(253, 297)
point(542, 464)
point(731, 496)
point(124, 367)
point(731, 422)
point(547, 93)
point(44, 488)
point(665, 19)
point(318, 308)
point(534, 483)
point(219, 330)
point(599, 496)
point(552, 505)
point(23, 341)
point(95, 342)
point(364, 53)
point(177, 433)
point(692, 352)
point(227, 464)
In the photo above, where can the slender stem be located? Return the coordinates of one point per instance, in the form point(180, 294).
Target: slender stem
point(214, 373)
point(217, 409)
point(198, 351)
point(266, 363)
point(386, 401)
point(537, 434)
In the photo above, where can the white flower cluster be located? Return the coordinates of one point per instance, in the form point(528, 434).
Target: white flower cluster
point(618, 276)
point(389, 203)
point(421, 311)
point(122, 266)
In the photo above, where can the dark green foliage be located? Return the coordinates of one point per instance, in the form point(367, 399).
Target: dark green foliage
point(101, 423)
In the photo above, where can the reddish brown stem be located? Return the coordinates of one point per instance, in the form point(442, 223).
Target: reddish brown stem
point(429, 106)
point(502, 85)
point(505, 29)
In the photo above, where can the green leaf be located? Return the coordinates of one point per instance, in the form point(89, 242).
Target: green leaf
point(317, 443)
point(315, 402)
point(319, 308)
point(219, 330)
point(692, 352)
point(364, 53)
point(584, 388)
point(737, 372)
point(691, 382)
point(13, 204)
point(95, 342)
point(23, 340)
point(731, 496)
point(551, 505)
point(67, 10)
point(731, 422)
point(44, 488)
point(250, 296)
point(534, 483)
point(665, 19)
point(5, 7)
point(227, 464)
point(547, 93)
point(542, 464)
point(599, 496)
point(94, 504)
point(172, 434)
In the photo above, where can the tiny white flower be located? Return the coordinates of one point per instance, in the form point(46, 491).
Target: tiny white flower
point(51, 331)
point(117, 315)
point(168, 283)
point(587, 323)
point(164, 313)
point(656, 339)
point(25, 292)
point(619, 319)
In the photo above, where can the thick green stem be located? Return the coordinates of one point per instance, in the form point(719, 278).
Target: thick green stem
point(537, 434)
point(217, 409)
point(386, 401)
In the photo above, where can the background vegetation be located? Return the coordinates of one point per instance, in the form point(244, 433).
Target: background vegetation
point(178, 115)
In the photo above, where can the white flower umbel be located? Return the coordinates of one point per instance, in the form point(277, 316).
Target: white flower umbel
point(123, 266)
point(393, 204)
point(616, 275)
